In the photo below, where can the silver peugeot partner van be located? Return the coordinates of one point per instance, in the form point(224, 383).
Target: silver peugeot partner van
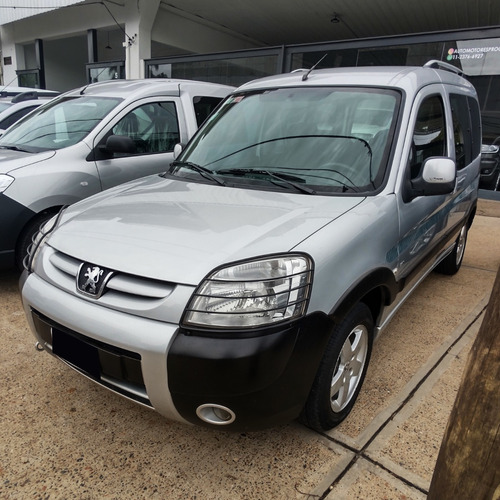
point(245, 286)
point(88, 140)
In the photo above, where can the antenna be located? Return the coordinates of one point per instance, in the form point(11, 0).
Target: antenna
point(306, 76)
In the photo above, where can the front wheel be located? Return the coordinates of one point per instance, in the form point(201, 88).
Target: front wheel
point(341, 371)
point(496, 186)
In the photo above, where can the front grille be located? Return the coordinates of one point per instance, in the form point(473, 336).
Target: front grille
point(115, 368)
point(121, 285)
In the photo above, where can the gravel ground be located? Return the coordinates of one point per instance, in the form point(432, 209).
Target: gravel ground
point(64, 437)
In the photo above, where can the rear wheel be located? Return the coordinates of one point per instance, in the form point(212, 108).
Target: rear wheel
point(451, 264)
point(341, 372)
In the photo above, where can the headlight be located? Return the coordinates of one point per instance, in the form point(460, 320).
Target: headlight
point(39, 240)
point(254, 293)
point(5, 182)
point(489, 148)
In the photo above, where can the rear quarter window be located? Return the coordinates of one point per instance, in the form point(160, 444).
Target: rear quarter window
point(203, 106)
point(475, 116)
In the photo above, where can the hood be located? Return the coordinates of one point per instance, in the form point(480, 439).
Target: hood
point(178, 231)
point(11, 160)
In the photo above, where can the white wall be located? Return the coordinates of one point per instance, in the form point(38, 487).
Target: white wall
point(64, 35)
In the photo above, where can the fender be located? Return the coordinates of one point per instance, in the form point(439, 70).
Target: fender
point(376, 290)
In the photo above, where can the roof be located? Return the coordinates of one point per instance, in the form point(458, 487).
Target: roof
point(376, 76)
point(149, 86)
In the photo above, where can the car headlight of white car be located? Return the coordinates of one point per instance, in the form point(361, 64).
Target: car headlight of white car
point(39, 241)
point(5, 182)
point(253, 293)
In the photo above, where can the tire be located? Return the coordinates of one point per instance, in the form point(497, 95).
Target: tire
point(451, 264)
point(341, 371)
point(496, 186)
point(26, 237)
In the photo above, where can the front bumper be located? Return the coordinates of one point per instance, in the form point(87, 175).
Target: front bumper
point(13, 217)
point(263, 377)
point(490, 169)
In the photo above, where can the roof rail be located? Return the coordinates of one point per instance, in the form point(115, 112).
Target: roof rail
point(25, 96)
point(435, 64)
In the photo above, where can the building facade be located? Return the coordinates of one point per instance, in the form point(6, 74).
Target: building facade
point(79, 42)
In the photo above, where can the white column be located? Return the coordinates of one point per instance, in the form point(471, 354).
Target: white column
point(9, 50)
point(139, 19)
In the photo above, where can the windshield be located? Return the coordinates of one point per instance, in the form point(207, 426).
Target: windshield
point(4, 105)
point(59, 124)
point(328, 139)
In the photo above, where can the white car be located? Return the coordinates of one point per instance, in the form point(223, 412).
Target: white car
point(14, 105)
point(88, 140)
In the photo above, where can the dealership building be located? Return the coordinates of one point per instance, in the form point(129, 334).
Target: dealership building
point(63, 44)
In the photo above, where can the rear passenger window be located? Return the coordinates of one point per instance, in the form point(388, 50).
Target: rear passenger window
point(461, 130)
point(429, 135)
point(466, 129)
point(203, 106)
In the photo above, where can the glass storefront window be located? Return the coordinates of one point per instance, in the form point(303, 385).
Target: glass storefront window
point(479, 59)
point(29, 78)
point(231, 71)
point(476, 57)
point(105, 71)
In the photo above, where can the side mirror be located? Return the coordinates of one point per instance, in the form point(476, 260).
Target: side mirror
point(438, 177)
point(178, 150)
point(119, 144)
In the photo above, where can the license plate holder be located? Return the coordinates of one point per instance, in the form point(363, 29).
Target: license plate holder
point(78, 353)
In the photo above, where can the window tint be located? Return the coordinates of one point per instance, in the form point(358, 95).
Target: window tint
point(203, 106)
point(153, 127)
point(429, 135)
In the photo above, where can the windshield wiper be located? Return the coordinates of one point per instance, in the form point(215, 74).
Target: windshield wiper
point(11, 147)
point(203, 171)
point(291, 180)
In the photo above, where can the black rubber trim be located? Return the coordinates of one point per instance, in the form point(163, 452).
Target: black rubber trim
point(264, 380)
point(97, 360)
point(13, 217)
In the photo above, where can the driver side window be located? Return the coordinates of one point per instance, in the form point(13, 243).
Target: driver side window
point(153, 127)
point(429, 135)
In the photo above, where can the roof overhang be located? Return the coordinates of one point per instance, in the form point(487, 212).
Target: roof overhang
point(15, 10)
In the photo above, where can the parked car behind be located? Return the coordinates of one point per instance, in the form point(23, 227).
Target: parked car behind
point(88, 140)
point(490, 166)
point(14, 107)
point(244, 287)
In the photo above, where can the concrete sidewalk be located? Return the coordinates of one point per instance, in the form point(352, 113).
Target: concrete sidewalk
point(394, 454)
point(64, 437)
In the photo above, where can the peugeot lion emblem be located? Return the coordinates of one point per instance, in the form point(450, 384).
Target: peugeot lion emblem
point(92, 279)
